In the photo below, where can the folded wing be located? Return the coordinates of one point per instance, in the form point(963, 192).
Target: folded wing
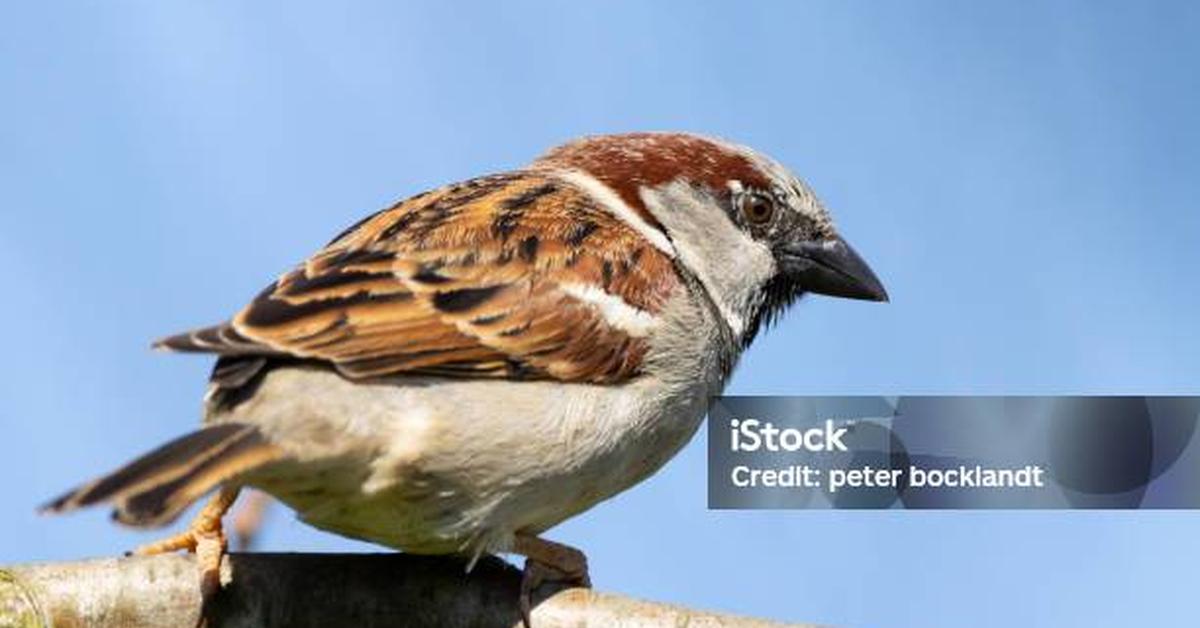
point(517, 276)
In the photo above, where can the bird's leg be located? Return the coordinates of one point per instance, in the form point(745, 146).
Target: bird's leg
point(204, 537)
point(248, 519)
point(547, 561)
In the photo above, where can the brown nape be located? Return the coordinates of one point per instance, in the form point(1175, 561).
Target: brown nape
point(628, 162)
point(154, 489)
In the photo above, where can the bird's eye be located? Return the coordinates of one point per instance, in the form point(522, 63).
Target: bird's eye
point(757, 209)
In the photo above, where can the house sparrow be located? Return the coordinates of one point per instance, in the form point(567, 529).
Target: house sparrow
point(460, 372)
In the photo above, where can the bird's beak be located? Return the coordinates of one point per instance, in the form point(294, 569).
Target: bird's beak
point(833, 268)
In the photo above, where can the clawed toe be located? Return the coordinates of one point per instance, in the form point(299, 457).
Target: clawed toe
point(536, 574)
point(546, 562)
point(205, 538)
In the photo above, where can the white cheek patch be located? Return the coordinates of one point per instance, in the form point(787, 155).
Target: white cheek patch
point(731, 265)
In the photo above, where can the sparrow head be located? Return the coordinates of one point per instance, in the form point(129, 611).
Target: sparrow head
point(754, 235)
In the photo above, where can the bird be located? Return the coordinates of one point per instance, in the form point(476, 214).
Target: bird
point(460, 372)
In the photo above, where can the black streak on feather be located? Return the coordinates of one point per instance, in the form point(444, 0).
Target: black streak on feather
point(527, 197)
point(464, 299)
point(397, 226)
point(519, 370)
point(512, 208)
point(303, 283)
point(505, 223)
point(580, 232)
point(360, 256)
point(428, 274)
point(528, 249)
point(266, 311)
point(462, 194)
point(400, 224)
point(513, 332)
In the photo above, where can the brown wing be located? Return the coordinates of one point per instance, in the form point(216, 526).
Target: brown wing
point(516, 275)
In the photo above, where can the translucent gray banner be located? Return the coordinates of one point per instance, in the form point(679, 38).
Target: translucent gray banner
point(954, 452)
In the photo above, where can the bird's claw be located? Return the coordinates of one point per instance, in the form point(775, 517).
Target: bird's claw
point(537, 573)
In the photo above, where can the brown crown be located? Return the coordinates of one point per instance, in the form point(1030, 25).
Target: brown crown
point(628, 162)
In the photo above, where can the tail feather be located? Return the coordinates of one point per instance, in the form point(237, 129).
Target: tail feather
point(154, 489)
point(222, 339)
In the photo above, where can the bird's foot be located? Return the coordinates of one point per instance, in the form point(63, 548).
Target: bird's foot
point(547, 561)
point(204, 537)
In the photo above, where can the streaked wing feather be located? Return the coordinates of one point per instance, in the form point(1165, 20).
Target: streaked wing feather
point(470, 280)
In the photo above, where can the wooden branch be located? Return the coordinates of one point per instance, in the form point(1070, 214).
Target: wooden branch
point(357, 590)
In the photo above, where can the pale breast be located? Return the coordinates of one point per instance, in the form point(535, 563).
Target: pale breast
point(442, 465)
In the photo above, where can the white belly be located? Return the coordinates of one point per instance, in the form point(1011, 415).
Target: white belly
point(440, 466)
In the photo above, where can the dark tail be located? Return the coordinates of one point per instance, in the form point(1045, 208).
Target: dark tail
point(154, 489)
point(222, 339)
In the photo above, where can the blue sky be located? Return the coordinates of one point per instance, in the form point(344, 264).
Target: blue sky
point(1023, 178)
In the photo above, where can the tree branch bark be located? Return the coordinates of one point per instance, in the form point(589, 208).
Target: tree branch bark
point(358, 590)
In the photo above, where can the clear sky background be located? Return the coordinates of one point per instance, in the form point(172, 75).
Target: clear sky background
point(1024, 179)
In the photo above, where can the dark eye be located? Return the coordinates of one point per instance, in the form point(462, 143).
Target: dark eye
point(757, 209)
